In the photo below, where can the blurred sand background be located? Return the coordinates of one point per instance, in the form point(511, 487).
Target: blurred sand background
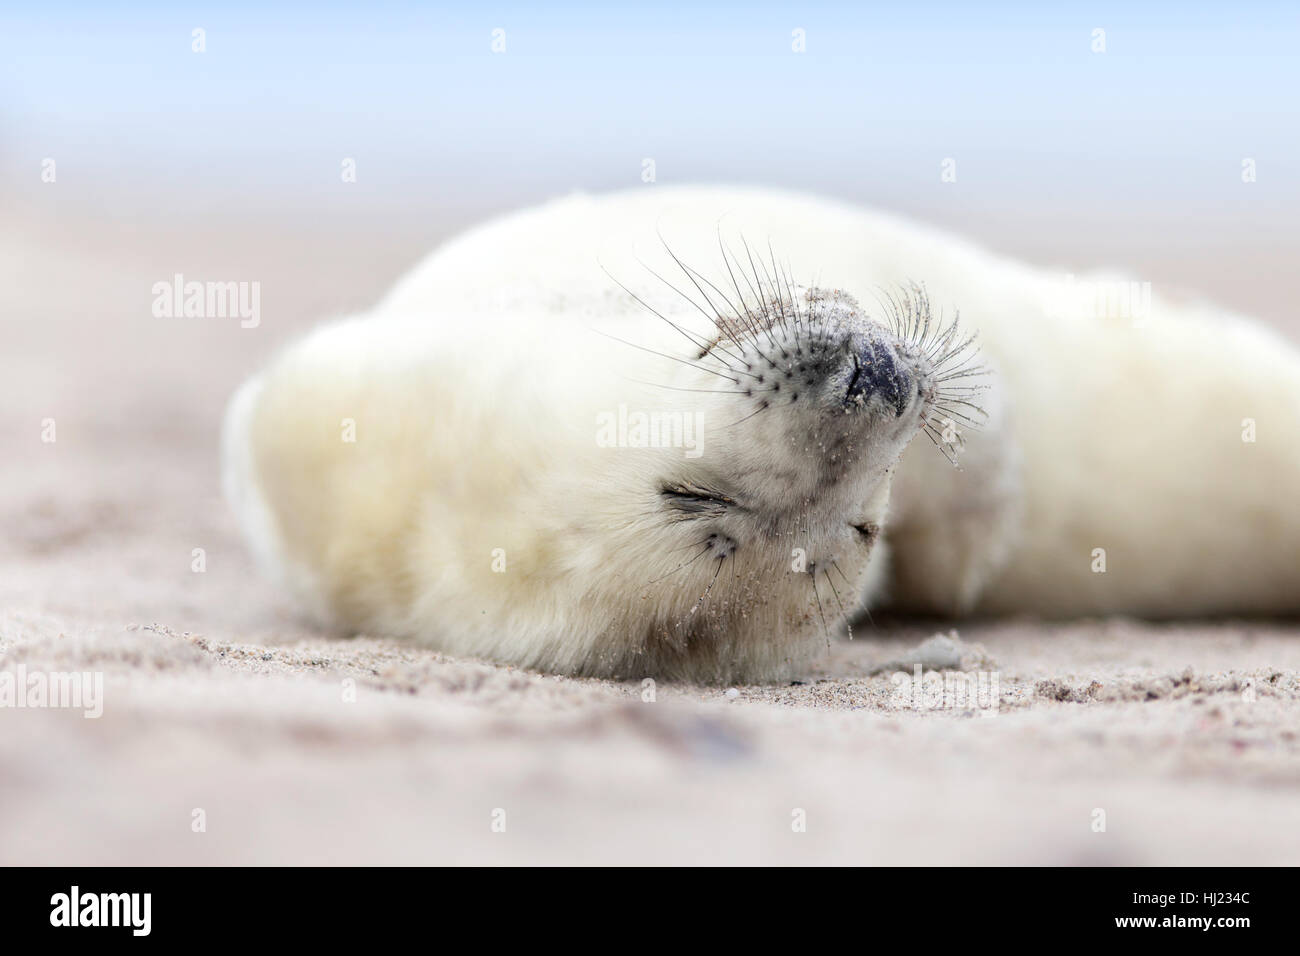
point(217, 698)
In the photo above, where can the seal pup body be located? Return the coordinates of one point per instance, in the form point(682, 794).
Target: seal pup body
point(457, 465)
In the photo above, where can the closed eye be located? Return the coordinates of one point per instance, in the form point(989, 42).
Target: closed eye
point(689, 500)
point(868, 532)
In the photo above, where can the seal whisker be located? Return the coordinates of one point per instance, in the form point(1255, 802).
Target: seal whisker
point(700, 601)
point(754, 321)
point(865, 609)
point(813, 576)
point(711, 391)
point(667, 356)
point(952, 413)
point(728, 301)
point(957, 442)
point(960, 350)
point(715, 320)
point(739, 295)
point(794, 307)
point(947, 401)
point(776, 292)
point(965, 389)
point(929, 433)
point(843, 613)
point(762, 408)
point(968, 373)
point(690, 337)
point(762, 300)
point(687, 272)
point(684, 564)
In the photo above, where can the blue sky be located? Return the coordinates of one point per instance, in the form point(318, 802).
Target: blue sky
point(582, 94)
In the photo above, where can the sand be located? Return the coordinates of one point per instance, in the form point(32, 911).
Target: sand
point(292, 746)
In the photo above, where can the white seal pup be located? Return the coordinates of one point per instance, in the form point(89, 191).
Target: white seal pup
point(689, 432)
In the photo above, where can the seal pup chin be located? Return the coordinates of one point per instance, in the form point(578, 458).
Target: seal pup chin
point(564, 443)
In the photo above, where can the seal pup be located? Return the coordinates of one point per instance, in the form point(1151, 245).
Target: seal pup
point(690, 432)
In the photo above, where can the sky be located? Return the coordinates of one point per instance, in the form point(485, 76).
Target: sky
point(1040, 124)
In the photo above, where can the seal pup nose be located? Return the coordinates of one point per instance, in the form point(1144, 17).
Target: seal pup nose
point(877, 371)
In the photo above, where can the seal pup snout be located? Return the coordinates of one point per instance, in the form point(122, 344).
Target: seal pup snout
point(878, 371)
point(874, 368)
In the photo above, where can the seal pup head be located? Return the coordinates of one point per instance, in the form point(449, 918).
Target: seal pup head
point(756, 548)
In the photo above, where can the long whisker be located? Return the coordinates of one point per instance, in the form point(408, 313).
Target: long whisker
point(710, 391)
point(690, 337)
point(667, 356)
point(865, 609)
point(715, 320)
point(813, 574)
point(843, 613)
point(762, 408)
point(684, 564)
point(697, 604)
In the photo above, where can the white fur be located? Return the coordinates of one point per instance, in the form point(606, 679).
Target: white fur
point(475, 387)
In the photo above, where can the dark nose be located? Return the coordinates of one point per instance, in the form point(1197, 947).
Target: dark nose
point(877, 371)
